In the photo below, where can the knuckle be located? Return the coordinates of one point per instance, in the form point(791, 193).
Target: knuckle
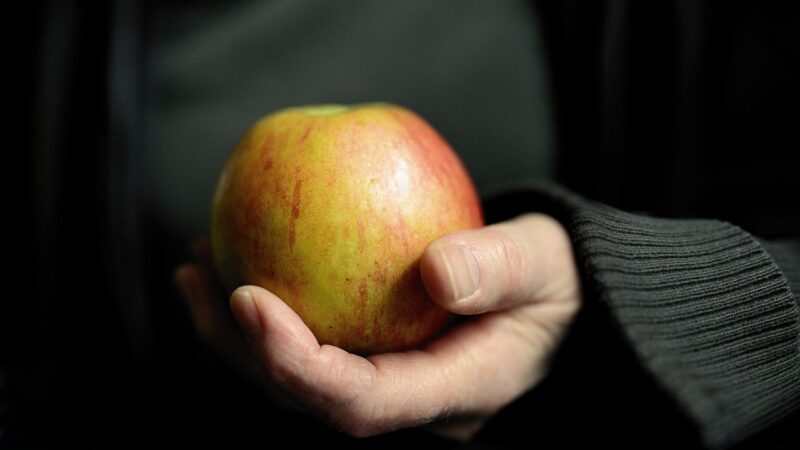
point(510, 255)
point(349, 404)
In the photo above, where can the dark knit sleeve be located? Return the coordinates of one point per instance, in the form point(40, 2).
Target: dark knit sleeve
point(786, 253)
point(706, 311)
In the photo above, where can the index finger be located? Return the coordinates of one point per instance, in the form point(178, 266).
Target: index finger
point(366, 396)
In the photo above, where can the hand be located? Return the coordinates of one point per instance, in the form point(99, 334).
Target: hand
point(522, 290)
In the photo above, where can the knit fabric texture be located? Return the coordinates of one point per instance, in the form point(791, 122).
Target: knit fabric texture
point(705, 308)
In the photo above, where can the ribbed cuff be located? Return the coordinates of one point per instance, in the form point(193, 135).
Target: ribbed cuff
point(706, 310)
point(786, 253)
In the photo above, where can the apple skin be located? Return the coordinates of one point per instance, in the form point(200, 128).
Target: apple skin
point(330, 207)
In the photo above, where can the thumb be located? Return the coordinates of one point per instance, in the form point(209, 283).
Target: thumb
point(527, 259)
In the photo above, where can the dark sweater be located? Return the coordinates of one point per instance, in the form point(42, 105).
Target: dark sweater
point(690, 329)
point(693, 317)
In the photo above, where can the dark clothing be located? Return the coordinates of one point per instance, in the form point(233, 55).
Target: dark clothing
point(681, 110)
point(696, 309)
point(689, 334)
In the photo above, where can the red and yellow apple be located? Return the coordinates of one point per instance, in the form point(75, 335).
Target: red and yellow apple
point(330, 207)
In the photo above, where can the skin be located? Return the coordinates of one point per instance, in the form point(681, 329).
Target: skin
point(330, 208)
point(526, 295)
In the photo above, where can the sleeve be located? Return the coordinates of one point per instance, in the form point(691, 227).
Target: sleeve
point(786, 254)
point(704, 309)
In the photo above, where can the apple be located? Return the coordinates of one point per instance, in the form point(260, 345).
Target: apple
point(330, 207)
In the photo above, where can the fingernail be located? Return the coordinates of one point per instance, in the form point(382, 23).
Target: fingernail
point(462, 270)
point(244, 308)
